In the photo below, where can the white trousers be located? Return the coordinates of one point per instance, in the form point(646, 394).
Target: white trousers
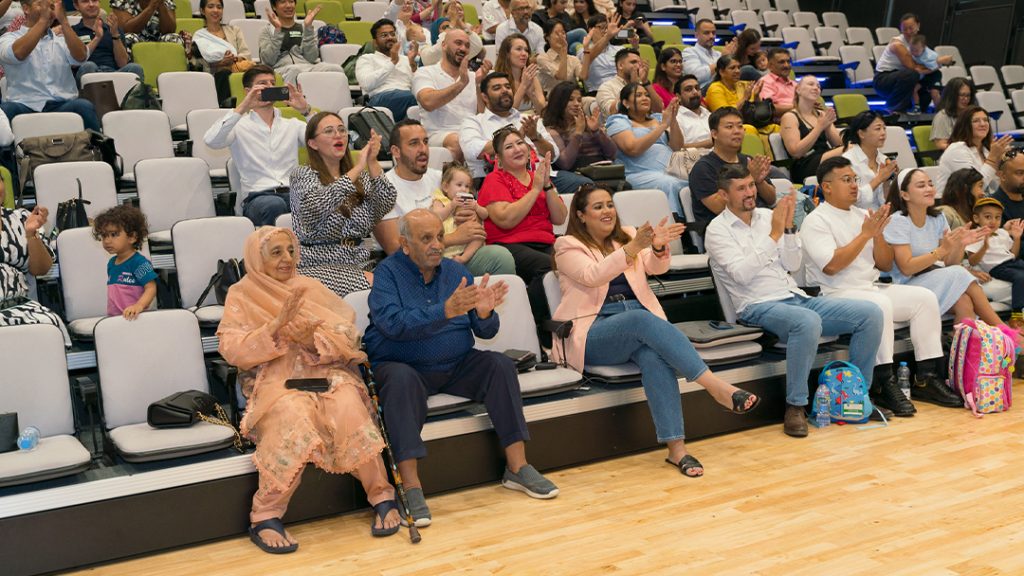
point(902, 303)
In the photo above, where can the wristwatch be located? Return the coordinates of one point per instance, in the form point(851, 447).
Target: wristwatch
point(548, 187)
point(790, 231)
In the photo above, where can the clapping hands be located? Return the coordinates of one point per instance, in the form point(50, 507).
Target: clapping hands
point(483, 297)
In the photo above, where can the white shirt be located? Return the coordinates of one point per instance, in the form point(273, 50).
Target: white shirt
point(867, 198)
point(44, 75)
point(476, 131)
point(412, 194)
point(697, 61)
point(447, 118)
point(264, 155)
point(694, 124)
point(1000, 247)
point(827, 229)
point(534, 34)
point(602, 67)
point(492, 14)
point(751, 266)
point(376, 73)
point(959, 155)
point(6, 135)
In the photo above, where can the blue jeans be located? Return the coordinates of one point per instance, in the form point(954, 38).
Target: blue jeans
point(79, 106)
point(799, 322)
point(568, 182)
point(90, 67)
point(626, 331)
point(263, 208)
point(398, 101)
point(1012, 271)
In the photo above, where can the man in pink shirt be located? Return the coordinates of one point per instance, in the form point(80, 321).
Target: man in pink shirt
point(777, 85)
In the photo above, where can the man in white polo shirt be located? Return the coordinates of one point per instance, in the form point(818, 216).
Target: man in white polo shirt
point(386, 75)
point(845, 250)
point(415, 184)
point(447, 92)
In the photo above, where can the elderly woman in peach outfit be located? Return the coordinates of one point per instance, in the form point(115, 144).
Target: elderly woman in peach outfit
point(602, 269)
point(279, 326)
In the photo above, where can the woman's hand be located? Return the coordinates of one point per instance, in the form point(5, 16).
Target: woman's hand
point(301, 331)
point(982, 276)
point(227, 60)
point(663, 234)
point(289, 311)
point(543, 173)
point(999, 148)
point(594, 119)
point(36, 220)
point(581, 123)
point(643, 239)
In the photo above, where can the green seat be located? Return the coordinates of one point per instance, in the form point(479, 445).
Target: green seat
point(331, 11)
point(849, 105)
point(753, 146)
point(356, 32)
point(182, 9)
point(470, 15)
point(647, 53)
point(668, 34)
point(8, 199)
point(159, 57)
point(190, 25)
point(346, 5)
point(927, 150)
point(238, 92)
point(289, 112)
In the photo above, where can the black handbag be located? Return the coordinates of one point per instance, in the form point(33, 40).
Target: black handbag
point(524, 359)
point(71, 213)
point(759, 114)
point(369, 118)
point(181, 409)
point(108, 153)
point(8, 432)
point(228, 273)
point(603, 171)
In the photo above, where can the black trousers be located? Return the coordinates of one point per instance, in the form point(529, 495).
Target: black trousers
point(533, 261)
point(485, 377)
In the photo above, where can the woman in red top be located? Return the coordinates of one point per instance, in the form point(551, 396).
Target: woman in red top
point(522, 207)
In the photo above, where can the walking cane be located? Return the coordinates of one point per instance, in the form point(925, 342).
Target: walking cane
point(371, 386)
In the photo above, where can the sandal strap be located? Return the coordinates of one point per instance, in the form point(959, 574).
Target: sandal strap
point(381, 509)
point(274, 524)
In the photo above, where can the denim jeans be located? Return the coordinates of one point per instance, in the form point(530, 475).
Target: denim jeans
point(1012, 271)
point(626, 331)
point(80, 106)
point(263, 208)
point(90, 67)
point(398, 101)
point(568, 182)
point(799, 321)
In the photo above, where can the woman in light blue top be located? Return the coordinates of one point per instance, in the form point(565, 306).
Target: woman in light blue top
point(928, 254)
point(646, 141)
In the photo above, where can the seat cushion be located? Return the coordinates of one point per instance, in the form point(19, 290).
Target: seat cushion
point(544, 382)
point(998, 290)
point(209, 314)
point(688, 262)
point(730, 353)
point(83, 327)
point(445, 403)
point(55, 456)
point(628, 372)
point(142, 443)
point(161, 236)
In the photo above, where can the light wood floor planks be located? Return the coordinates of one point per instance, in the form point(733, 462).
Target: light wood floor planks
point(937, 494)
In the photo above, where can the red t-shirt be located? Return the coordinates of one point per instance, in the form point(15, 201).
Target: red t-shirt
point(500, 186)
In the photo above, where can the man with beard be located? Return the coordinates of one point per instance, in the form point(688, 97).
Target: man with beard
point(425, 311)
point(522, 11)
point(777, 85)
point(415, 184)
point(476, 133)
point(701, 58)
point(447, 93)
point(629, 67)
point(1011, 186)
point(752, 252)
point(727, 133)
point(692, 117)
point(385, 75)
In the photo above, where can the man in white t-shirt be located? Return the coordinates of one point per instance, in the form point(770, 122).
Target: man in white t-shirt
point(521, 23)
point(494, 12)
point(845, 250)
point(386, 75)
point(415, 184)
point(692, 117)
point(447, 92)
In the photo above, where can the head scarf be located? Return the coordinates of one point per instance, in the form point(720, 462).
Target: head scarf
point(435, 29)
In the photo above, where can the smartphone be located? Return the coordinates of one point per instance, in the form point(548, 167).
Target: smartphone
point(591, 106)
point(475, 64)
point(623, 34)
point(892, 155)
point(274, 94)
point(308, 384)
point(465, 197)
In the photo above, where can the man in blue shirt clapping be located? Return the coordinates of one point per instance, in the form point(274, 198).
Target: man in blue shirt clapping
point(424, 312)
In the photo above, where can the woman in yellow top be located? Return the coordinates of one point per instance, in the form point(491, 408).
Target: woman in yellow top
point(729, 90)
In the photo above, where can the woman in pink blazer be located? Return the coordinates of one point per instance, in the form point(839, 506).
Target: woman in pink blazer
point(602, 268)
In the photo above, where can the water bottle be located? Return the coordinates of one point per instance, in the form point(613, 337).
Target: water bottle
point(29, 439)
point(821, 400)
point(903, 378)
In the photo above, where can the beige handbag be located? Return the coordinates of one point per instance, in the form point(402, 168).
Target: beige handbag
point(682, 161)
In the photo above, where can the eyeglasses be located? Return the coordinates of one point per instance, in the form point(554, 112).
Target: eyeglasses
point(1010, 155)
point(332, 131)
point(846, 179)
point(504, 129)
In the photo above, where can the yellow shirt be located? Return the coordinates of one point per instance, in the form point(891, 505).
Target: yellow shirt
point(719, 95)
point(449, 224)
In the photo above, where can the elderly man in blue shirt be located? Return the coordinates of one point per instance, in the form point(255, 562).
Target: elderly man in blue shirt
point(424, 312)
point(38, 64)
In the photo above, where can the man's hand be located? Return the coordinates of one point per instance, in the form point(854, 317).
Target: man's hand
point(489, 297)
point(730, 47)
point(529, 127)
point(414, 51)
point(97, 29)
point(272, 18)
point(296, 99)
point(461, 301)
point(875, 222)
point(467, 232)
point(1017, 229)
point(113, 23)
point(250, 100)
point(759, 166)
point(483, 70)
point(782, 215)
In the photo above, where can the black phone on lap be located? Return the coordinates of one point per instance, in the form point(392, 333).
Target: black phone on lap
point(308, 384)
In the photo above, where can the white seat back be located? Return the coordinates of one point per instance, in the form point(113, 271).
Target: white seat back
point(83, 273)
point(805, 49)
point(45, 124)
point(235, 10)
point(123, 81)
point(199, 121)
point(327, 91)
point(807, 20)
point(885, 33)
point(864, 72)
point(703, 8)
point(133, 375)
point(35, 381)
point(759, 6)
point(184, 91)
point(774, 22)
point(790, 6)
point(993, 101)
point(953, 51)
point(439, 156)
point(836, 19)
point(517, 330)
point(138, 135)
point(369, 11)
point(727, 7)
point(235, 183)
point(832, 36)
point(174, 189)
point(728, 308)
point(284, 221)
point(635, 207)
point(360, 302)
point(686, 200)
point(251, 29)
point(1017, 97)
point(856, 35)
point(56, 183)
point(877, 51)
point(748, 17)
point(338, 53)
point(560, 228)
point(198, 244)
point(778, 146)
point(260, 8)
point(985, 75)
point(896, 141)
point(1013, 76)
point(950, 72)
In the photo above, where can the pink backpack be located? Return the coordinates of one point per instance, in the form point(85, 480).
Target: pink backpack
point(980, 364)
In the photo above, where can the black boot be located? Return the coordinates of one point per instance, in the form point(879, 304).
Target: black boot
point(930, 386)
point(886, 393)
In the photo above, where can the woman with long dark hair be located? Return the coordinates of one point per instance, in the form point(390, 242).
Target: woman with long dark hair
point(667, 73)
point(862, 146)
point(580, 136)
point(514, 59)
point(336, 203)
point(582, 10)
point(558, 63)
point(963, 188)
point(957, 96)
point(972, 146)
point(748, 44)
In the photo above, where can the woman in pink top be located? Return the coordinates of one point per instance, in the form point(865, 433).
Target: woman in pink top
point(602, 269)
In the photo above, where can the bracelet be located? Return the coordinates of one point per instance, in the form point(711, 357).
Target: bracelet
point(115, 38)
point(658, 250)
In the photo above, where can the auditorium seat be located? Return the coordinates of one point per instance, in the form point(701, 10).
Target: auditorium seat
point(45, 124)
point(638, 206)
point(198, 244)
point(858, 36)
point(58, 182)
point(184, 91)
point(251, 29)
point(326, 91)
point(123, 81)
point(138, 135)
point(171, 190)
point(198, 122)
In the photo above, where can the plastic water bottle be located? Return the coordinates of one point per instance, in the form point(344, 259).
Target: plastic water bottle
point(903, 378)
point(821, 400)
point(29, 439)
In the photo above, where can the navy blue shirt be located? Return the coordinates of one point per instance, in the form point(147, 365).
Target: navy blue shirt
point(103, 55)
point(407, 319)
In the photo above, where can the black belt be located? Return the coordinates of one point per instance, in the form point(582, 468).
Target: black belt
point(350, 242)
point(618, 298)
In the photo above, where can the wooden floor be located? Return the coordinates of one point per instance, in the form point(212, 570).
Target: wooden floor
point(940, 493)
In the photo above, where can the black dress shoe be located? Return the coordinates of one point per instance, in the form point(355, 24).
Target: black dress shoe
point(933, 390)
point(879, 413)
point(888, 395)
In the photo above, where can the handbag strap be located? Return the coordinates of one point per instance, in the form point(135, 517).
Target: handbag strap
point(221, 419)
point(213, 280)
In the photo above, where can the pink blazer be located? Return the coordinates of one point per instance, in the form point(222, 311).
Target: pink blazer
point(584, 275)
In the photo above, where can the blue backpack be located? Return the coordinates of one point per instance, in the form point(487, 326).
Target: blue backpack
point(847, 392)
